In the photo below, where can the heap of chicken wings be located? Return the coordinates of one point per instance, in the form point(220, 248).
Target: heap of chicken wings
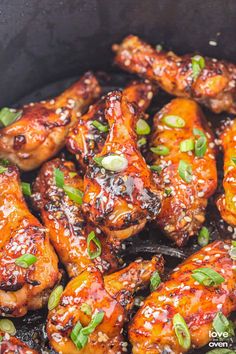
point(118, 176)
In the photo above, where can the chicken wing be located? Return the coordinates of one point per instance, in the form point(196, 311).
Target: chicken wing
point(41, 130)
point(88, 296)
point(209, 81)
point(28, 264)
point(63, 218)
point(152, 330)
point(120, 194)
point(226, 203)
point(183, 159)
point(12, 345)
point(86, 139)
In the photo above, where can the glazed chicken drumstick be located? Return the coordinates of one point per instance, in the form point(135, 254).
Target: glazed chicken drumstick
point(209, 81)
point(184, 167)
point(88, 136)
point(12, 345)
point(197, 298)
point(28, 264)
point(227, 202)
point(120, 194)
point(41, 128)
point(61, 213)
point(91, 313)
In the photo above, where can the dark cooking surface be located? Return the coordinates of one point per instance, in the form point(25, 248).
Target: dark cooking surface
point(31, 328)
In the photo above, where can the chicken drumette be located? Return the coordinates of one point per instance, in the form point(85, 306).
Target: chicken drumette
point(62, 215)
point(210, 81)
point(180, 314)
point(40, 131)
point(28, 264)
point(89, 297)
point(120, 195)
point(184, 167)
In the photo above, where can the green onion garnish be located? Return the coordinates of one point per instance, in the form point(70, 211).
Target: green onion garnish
point(7, 326)
point(26, 260)
point(198, 63)
point(2, 169)
point(101, 127)
point(160, 150)
point(74, 194)
point(203, 237)
point(187, 145)
point(167, 191)
point(142, 127)
point(142, 142)
point(92, 238)
point(59, 178)
point(234, 160)
point(174, 121)
point(26, 188)
point(182, 331)
point(232, 251)
point(96, 320)
point(8, 116)
point(185, 171)
point(156, 168)
point(155, 281)
point(86, 309)
point(98, 160)
point(72, 174)
point(221, 324)
point(75, 333)
point(207, 277)
point(201, 146)
point(199, 132)
point(115, 163)
point(54, 297)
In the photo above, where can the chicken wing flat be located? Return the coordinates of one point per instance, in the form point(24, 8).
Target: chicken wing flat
point(88, 136)
point(63, 218)
point(28, 264)
point(209, 81)
point(226, 203)
point(88, 297)
point(12, 345)
point(41, 130)
point(183, 159)
point(185, 305)
point(120, 194)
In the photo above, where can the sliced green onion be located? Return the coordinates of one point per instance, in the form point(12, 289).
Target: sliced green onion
point(174, 121)
point(221, 324)
point(167, 191)
point(203, 237)
point(198, 63)
point(199, 132)
point(4, 162)
point(234, 160)
point(142, 127)
point(187, 145)
point(54, 297)
point(8, 116)
point(72, 174)
point(115, 163)
point(221, 351)
point(207, 276)
point(201, 146)
point(1, 338)
point(101, 127)
point(75, 333)
point(74, 194)
point(141, 142)
point(96, 320)
point(159, 47)
point(3, 169)
point(26, 188)
point(232, 251)
point(86, 309)
point(92, 238)
point(185, 171)
point(7, 326)
point(98, 160)
point(182, 331)
point(160, 150)
point(155, 281)
point(59, 178)
point(26, 260)
point(156, 168)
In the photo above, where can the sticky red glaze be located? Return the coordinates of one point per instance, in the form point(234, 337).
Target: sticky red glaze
point(42, 128)
point(151, 331)
point(215, 86)
point(12, 345)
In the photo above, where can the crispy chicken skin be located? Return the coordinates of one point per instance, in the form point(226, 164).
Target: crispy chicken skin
point(22, 289)
point(120, 202)
point(183, 209)
point(226, 203)
point(85, 140)
point(215, 86)
point(113, 295)
point(64, 219)
point(12, 345)
point(151, 331)
point(42, 128)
